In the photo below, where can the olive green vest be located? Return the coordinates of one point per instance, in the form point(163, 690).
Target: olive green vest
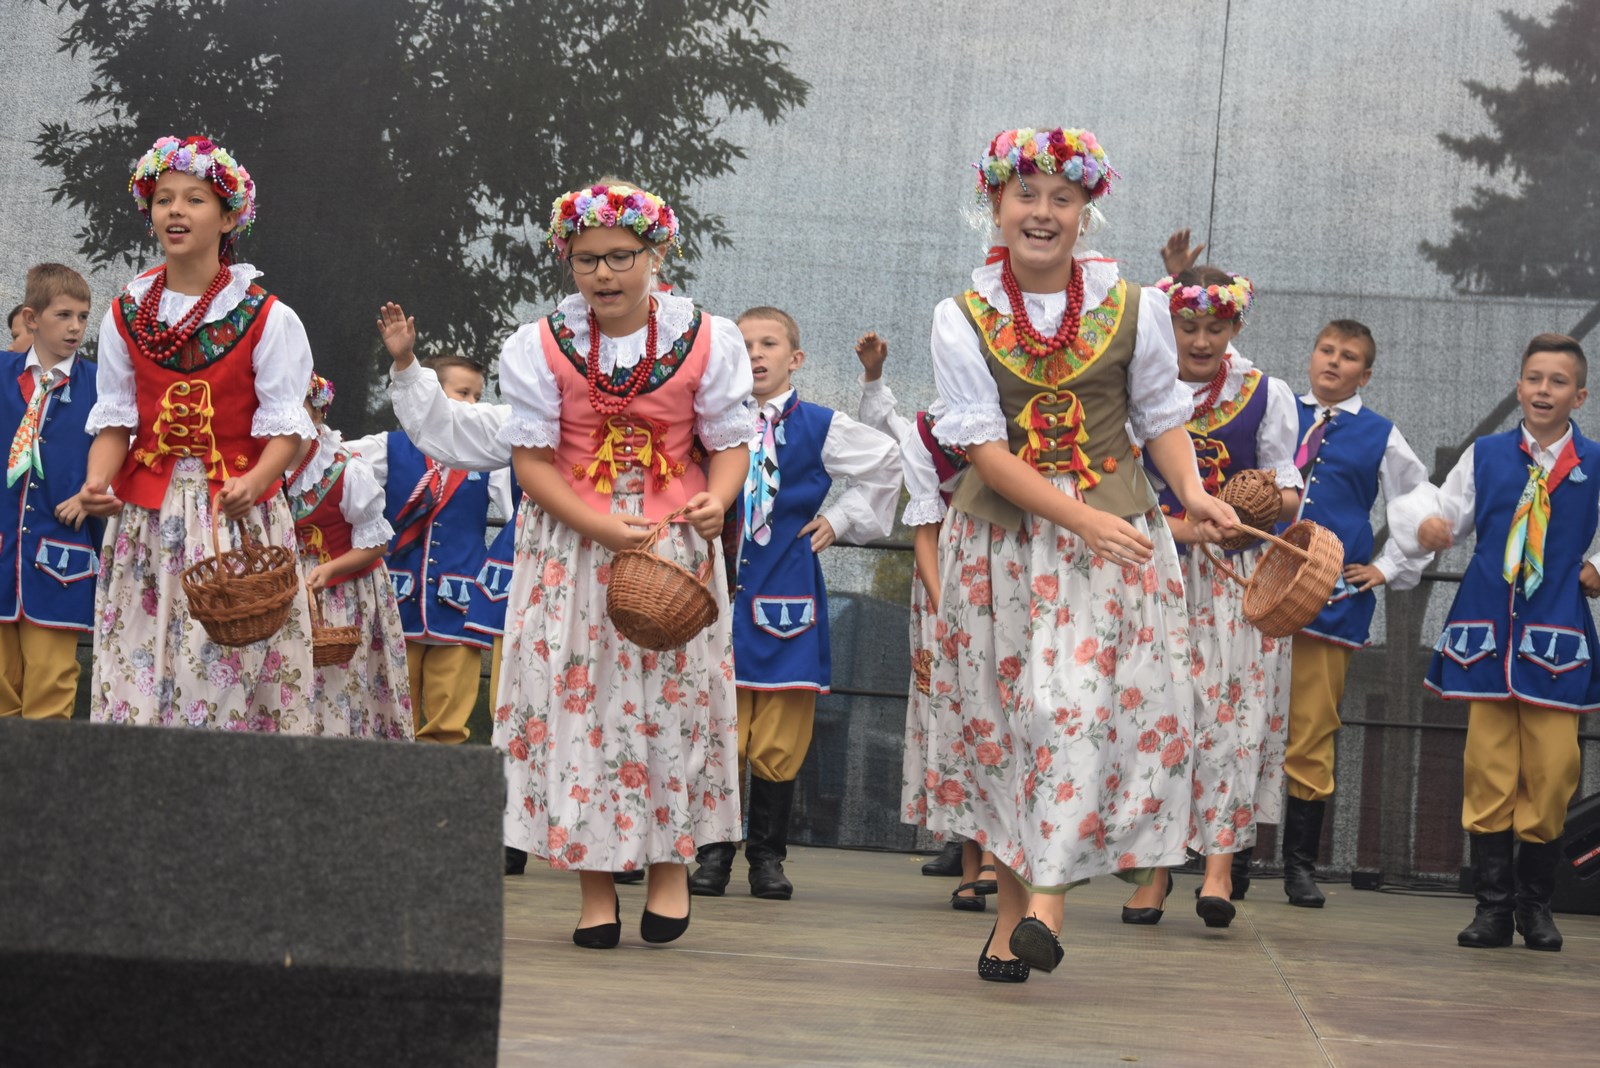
point(1065, 414)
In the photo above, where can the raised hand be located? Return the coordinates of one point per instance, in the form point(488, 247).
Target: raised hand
point(1176, 254)
point(872, 351)
point(399, 333)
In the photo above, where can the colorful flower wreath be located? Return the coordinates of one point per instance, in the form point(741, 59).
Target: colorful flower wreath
point(611, 205)
point(1231, 301)
point(199, 157)
point(319, 394)
point(1073, 154)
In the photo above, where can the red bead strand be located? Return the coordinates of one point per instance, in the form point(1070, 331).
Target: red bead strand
point(1213, 391)
point(610, 403)
point(157, 344)
point(1035, 343)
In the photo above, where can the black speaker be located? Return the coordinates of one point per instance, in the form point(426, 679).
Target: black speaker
point(1578, 871)
point(181, 897)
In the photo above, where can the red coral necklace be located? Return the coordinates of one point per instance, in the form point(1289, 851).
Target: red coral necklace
point(1035, 343)
point(611, 403)
point(1213, 391)
point(157, 344)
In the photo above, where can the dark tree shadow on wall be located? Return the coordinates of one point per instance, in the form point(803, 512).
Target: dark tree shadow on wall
point(1534, 229)
point(410, 149)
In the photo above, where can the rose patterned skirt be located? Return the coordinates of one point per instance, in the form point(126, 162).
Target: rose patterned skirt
point(369, 697)
point(1240, 711)
point(1062, 703)
point(153, 663)
point(616, 756)
point(914, 784)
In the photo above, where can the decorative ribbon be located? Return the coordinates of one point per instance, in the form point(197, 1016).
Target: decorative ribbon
point(1525, 542)
point(25, 455)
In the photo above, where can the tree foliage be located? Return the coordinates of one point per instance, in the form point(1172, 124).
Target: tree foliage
point(410, 149)
point(1534, 229)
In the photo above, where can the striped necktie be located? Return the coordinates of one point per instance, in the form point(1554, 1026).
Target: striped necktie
point(761, 481)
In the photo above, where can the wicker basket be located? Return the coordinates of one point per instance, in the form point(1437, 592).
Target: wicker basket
point(655, 603)
point(1255, 497)
point(1293, 581)
point(330, 645)
point(922, 671)
point(243, 595)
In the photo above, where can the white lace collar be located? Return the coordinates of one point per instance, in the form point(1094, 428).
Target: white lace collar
point(174, 305)
point(329, 442)
point(1099, 275)
point(1232, 382)
point(674, 313)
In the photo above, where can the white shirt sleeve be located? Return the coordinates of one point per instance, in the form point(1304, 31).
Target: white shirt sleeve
point(1399, 474)
point(530, 388)
point(500, 492)
point(282, 363)
point(877, 409)
point(374, 449)
point(869, 462)
point(926, 505)
point(1157, 401)
point(1453, 502)
point(1279, 435)
point(117, 402)
point(362, 505)
point(723, 416)
point(457, 434)
point(972, 412)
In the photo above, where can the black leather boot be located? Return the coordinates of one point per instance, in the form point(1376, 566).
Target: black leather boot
point(1302, 833)
point(948, 862)
point(1494, 882)
point(767, 843)
point(1241, 873)
point(1536, 885)
point(710, 879)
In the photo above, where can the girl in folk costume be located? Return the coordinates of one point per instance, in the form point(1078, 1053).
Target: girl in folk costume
point(207, 372)
point(618, 757)
point(1062, 633)
point(930, 470)
point(1242, 420)
point(343, 535)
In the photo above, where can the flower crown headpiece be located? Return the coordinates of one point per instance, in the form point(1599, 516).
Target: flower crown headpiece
point(319, 394)
point(200, 157)
point(1073, 154)
point(609, 205)
point(1231, 301)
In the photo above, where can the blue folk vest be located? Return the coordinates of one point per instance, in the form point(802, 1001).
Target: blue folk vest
point(1224, 442)
point(434, 577)
point(780, 611)
point(488, 612)
point(49, 569)
point(1498, 642)
point(1341, 488)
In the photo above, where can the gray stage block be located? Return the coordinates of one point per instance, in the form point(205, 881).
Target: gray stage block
point(181, 897)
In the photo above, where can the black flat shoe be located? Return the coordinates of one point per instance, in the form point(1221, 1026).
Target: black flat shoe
point(656, 929)
point(1036, 944)
point(1148, 917)
point(947, 862)
point(968, 904)
point(624, 878)
point(516, 861)
point(601, 935)
point(1216, 911)
point(995, 970)
point(985, 887)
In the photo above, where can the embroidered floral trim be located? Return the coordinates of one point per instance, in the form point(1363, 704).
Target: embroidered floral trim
point(213, 340)
point(1226, 411)
point(666, 365)
point(1094, 336)
point(304, 503)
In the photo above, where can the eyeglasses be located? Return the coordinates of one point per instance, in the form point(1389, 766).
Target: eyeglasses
point(620, 260)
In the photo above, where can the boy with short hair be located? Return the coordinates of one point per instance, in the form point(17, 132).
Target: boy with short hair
point(49, 555)
point(1519, 641)
point(781, 655)
point(21, 336)
point(440, 516)
point(1347, 453)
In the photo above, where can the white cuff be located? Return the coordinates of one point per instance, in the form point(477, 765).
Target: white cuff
point(285, 421)
point(530, 433)
point(1289, 477)
point(971, 426)
point(924, 512)
point(112, 411)
point(371, 534)
point(1149, 431)
point(734, 428)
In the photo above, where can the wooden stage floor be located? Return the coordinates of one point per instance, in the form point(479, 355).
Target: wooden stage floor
point(869, 965)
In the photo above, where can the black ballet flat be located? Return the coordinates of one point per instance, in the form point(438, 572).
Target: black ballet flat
point(657, 929)
point(1036, 944)
point(601, 935)
point(968, 904)
point(995, 970)
point(1148, 917)
point(984, 887)
point(1216, 911)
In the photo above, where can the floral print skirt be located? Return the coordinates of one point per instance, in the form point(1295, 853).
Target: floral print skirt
point(1240, 711)
point(1062, 702)
point(915, 780)
point(616, 756)
point(369, 697)
point(153, 663)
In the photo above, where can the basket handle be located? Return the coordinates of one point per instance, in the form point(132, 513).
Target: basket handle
point(1205, 547)
point(316, 607)
point(707, 569)
point(1216, 560)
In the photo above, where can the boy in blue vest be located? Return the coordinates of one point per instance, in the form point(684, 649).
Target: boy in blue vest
point(49, 553)
point(1519, 641)
point(780, 613)
point(1347, 453)
point(440, 516)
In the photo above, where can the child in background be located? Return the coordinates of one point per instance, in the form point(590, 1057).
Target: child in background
point(1347, 453)
point(208, 372)
point(930, 471)
point(1519, 640)
point(1242, 420)
point(338, 510)
point(782, 659)
point(21, 336)
point(48, 554)
point(440, 517)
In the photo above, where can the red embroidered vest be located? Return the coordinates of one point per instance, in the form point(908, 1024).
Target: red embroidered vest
point(197, 403)
point(655, 432)
point(319, 523)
